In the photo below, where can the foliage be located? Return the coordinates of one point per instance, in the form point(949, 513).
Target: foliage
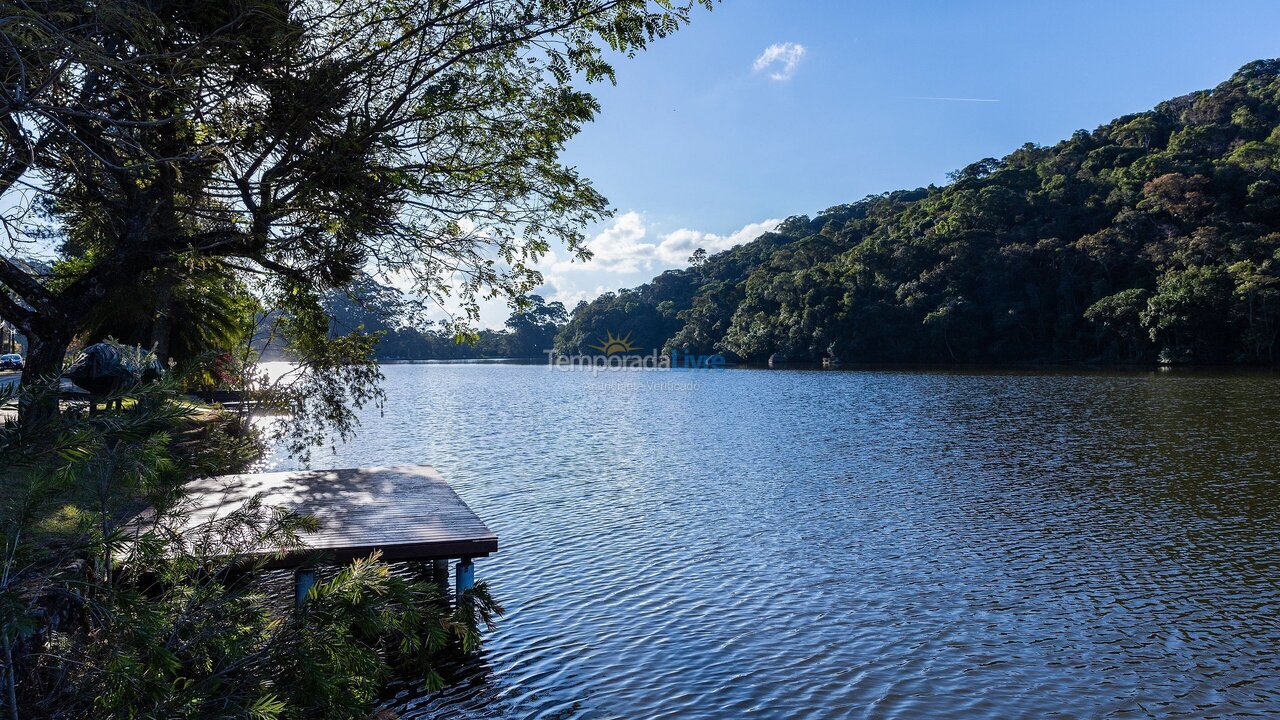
point(205, 310)
point(647, 313)
point(532, 327)
point(361, 625)
point(1118, 319)
point(300, 143)
point(1156, 237)
point(105, 616)
point(403, 332)
point(334, 376)
point(1187, 317)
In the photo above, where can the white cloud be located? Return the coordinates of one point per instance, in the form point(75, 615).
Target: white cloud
point(564, 289)
point(618, 248)
point(781, 58)
point(626, 253)
point(622, 249)
point(676, 247)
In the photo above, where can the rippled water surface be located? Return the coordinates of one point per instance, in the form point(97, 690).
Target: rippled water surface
point(787, 544)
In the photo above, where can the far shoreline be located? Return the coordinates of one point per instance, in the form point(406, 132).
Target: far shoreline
point(973, 368)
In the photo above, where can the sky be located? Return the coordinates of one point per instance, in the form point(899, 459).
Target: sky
point(763, 109)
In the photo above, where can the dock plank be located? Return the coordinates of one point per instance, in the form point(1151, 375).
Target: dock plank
point(408, 512)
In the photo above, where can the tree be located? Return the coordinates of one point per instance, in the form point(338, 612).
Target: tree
point(532, 327)
point(1185, 198)
point(205, 311)
point(1187, 316)
point(298, 142)
point(1257, 296)
point(1118, 320)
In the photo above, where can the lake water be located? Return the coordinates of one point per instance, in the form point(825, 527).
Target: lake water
point(901, 544)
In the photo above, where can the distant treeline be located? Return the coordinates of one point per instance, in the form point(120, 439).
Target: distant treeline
point(376, 308)
point(1153, 238)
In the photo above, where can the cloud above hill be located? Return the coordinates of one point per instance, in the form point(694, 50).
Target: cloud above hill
point(676, 247)
point(625, 246)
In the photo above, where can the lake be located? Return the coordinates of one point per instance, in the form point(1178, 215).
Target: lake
point(856, 544)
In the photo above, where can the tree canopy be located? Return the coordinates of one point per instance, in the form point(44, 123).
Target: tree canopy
point(295, 144)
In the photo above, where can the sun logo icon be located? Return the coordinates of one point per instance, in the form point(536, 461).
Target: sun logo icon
point(613, 345)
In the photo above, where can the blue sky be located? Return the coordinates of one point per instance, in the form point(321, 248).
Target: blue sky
point(695, 146)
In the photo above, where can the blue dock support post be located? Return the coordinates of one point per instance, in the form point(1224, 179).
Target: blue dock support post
point(464, 577)
point(303, 580)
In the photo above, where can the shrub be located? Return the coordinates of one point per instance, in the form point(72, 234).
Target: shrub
point(105, 616)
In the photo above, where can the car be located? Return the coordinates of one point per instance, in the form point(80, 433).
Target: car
point(11, 361)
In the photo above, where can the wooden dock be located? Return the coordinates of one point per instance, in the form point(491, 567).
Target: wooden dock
point(407, 512)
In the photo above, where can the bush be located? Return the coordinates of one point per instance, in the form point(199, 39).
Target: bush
point(103, 616)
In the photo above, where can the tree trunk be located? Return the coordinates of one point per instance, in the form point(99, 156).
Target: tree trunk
point(46, 352)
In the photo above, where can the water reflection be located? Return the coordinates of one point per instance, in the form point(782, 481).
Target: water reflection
point(857, 544)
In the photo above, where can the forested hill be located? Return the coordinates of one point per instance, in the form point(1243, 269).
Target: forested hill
point(1154, 237)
